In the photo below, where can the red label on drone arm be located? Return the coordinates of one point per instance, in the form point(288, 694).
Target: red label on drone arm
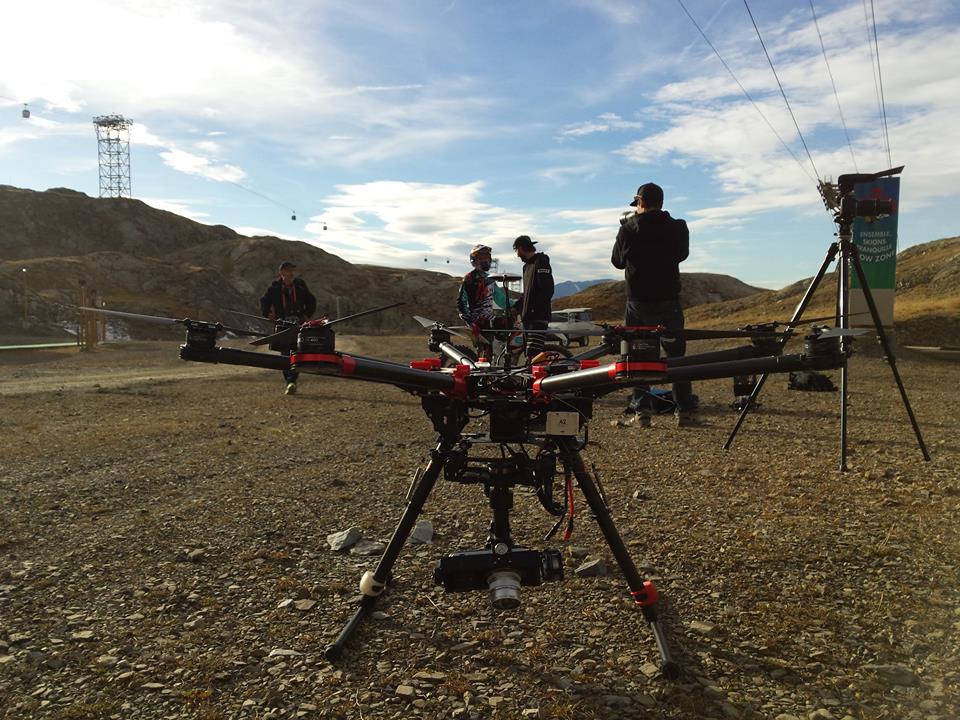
point(346, 363)
point(426, 364)
point(314, 357)
point(459, 387)
point(618, 368)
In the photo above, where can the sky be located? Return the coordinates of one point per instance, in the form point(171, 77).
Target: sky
point(404, 133)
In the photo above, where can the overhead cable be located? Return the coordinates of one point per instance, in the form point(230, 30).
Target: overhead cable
point(260, 194)
point(746, 94)
point(782, 92)
point(832, 82)
point(883, 104)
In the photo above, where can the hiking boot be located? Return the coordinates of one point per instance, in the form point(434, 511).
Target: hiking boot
point(291, 389)
point(643, 419)
point(686, 418)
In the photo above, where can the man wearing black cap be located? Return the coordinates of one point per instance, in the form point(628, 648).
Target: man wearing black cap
point(534, 305)
point(650, 247)
point(288, 300)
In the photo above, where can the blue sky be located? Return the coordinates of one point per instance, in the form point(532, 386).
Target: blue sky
point(416, 129)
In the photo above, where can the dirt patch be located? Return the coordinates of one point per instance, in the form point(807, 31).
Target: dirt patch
point(163, 554)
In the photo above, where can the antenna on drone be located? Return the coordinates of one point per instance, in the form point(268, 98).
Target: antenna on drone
point(113, 153)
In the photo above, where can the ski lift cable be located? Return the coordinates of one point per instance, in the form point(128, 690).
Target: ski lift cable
point(836, 94)
point(265, 197)
point(883, 104)
point(746, 94)
point(873, 62)
point(782, 92)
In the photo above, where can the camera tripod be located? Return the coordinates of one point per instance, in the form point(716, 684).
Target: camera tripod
point(502, 567)
point(849, 257)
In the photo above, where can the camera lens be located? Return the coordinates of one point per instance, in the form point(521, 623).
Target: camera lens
point(504, 589)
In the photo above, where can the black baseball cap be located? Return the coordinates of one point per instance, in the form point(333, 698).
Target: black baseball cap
point(524, 241)
point(650, 193)
point(286, 264)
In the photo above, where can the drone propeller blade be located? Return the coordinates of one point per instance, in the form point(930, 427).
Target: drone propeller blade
point(287, 336)
point(548, 331)
point(365, 312)
point(843, 332)
point(696, 334)
point(259, 317)
point(425, 322)
point(157, 320)
point(428, 323)
point(240, 331)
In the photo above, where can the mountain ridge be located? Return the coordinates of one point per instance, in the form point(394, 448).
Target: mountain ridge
point(146, 260)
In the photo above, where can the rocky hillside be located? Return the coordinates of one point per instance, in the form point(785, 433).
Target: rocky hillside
point(927, 309)
point(151, 261)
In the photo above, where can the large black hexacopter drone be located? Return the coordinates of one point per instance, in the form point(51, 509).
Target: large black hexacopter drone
point(536, 416)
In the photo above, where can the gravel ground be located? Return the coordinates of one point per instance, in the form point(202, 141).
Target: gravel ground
point(163, 553)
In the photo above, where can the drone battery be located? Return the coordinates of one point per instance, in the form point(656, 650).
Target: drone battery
point(563, 423)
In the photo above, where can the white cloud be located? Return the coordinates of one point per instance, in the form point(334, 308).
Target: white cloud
point(253, 231)
point(620, 12)
point(604, 123)
point(192, 164)
point(399, 223)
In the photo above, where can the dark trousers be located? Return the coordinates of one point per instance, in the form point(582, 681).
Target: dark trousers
point(534, 340)
point(669, 314)
point(289, 376)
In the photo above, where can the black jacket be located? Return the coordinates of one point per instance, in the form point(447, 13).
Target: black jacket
point(650, 247)
point(294, 302)
point(534, 304)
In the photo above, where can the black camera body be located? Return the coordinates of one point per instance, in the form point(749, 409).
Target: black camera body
point(851, 207)
point(472, 569)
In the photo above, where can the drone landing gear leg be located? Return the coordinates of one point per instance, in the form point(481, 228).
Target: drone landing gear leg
point(794, 321)
point(644, 592)
point(373, 585)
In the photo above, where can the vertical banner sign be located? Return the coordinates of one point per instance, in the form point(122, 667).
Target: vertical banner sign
point(876, 239)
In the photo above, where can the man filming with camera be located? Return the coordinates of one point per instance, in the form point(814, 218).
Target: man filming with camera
point(649, 249)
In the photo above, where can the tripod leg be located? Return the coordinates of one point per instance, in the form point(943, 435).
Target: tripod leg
point(887, 351)
point(794, 321)
point(644, 592)
point(843, 316)
point(373, 586)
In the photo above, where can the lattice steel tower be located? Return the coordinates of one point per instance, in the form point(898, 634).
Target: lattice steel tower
point(113, 152)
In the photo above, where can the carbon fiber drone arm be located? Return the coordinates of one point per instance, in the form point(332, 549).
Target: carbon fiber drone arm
point(622, 374)
point(230, 356)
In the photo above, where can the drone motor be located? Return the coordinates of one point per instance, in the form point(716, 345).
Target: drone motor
point(201, 335)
